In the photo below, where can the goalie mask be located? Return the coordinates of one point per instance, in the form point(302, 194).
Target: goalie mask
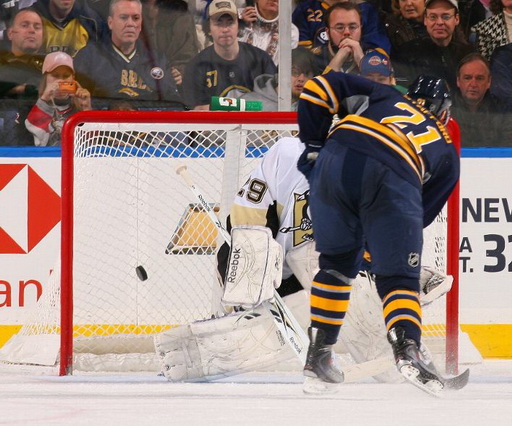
point(432, 93)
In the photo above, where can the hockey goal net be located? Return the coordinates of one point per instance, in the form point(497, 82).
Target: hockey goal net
point(124, 207)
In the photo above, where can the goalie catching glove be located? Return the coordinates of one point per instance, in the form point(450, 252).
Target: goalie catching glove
point(433, 284)
point(255, 267)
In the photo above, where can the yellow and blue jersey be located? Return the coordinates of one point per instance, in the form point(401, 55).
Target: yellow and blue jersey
point(308, 17)
point(380, 122)
point(81, 26)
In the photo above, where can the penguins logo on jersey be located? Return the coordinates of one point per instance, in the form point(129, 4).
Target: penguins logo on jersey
point(302, 227)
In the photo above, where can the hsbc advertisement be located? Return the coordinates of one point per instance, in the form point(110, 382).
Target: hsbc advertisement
point(30, 234)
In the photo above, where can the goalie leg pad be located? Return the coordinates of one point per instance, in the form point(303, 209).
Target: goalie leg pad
point(222, 347)
point(303, 262)
point(255, 267)
point(179, 354)
point(298, 303)
point(363, 333)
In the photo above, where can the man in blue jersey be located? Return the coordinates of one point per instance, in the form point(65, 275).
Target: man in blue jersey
point(382, 173)
point(309, 17)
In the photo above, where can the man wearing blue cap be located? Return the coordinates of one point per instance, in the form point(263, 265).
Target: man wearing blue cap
point(376, 66)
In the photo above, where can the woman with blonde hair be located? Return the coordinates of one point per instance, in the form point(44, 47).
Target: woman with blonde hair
point(60, 95)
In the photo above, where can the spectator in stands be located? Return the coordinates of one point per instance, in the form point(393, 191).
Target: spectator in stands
point(60, 96)
point(9, 8)
point(501, 72)
point(122, 68)
point(496, 30)
point(20, 74)
point(228, 67)
point(440, 53)
point(261, 27)
point(266, 85)
point(168, 28)
point(21, 66)
point(200, 8)
point(471, 13)
point(309, 18)
point(480, 115)
point(69, 25)
point(344, 50)
point(405, 23)
point(376, 66)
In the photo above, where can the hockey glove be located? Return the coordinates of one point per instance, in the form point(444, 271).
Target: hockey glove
point(307, 160)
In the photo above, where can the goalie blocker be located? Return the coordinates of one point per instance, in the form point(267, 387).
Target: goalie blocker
point(255, 267)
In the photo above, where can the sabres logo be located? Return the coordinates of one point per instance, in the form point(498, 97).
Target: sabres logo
point(157, 73)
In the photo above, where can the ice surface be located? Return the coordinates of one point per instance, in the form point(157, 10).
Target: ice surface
point(251, 399)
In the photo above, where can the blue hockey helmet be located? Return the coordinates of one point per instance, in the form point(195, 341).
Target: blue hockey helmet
point(433, 94)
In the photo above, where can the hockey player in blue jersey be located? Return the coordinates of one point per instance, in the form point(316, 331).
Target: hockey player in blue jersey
point(378, 176)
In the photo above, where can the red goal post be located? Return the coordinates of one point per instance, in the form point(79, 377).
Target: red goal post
point(123, 206)
point(261, 124)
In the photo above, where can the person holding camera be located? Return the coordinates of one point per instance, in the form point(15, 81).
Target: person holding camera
point(60, 96)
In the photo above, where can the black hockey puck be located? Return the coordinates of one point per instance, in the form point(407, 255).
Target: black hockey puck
point(141, 273)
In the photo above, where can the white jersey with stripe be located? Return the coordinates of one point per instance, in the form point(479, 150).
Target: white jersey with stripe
point(276, 195)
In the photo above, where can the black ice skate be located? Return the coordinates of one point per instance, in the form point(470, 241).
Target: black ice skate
point(320, 369)
point(412, 365)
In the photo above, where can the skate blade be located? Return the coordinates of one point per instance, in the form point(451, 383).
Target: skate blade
point(316, 386)
point(432, 387)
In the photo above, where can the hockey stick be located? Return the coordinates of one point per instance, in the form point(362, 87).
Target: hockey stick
point(286, 323)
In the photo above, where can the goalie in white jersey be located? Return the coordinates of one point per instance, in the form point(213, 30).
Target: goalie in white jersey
point(275, 198)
